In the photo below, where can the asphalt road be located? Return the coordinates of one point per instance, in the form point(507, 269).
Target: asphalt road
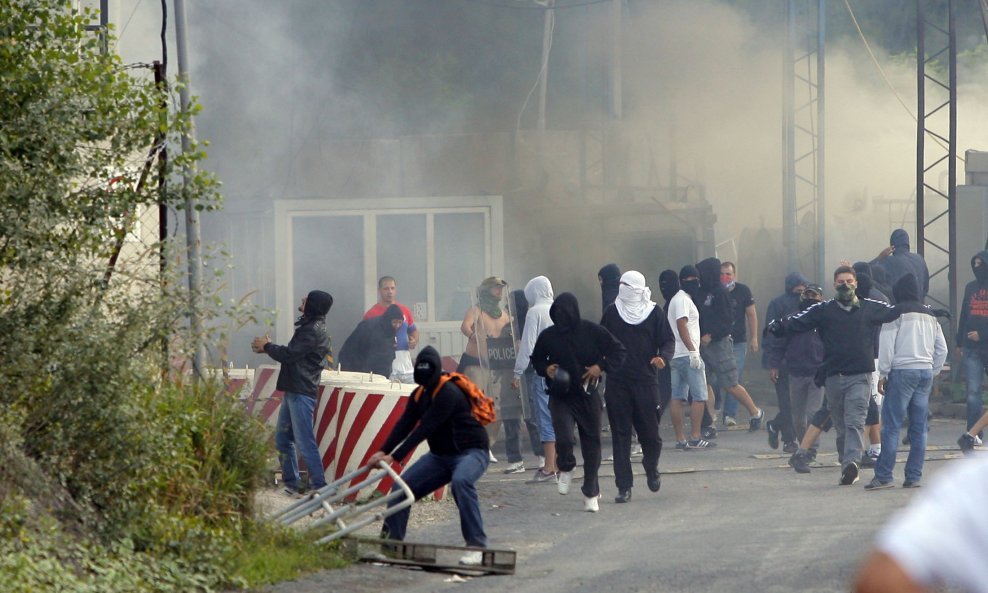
point(733, 519)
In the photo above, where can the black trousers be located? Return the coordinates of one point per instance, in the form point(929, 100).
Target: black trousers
point(583, 411)
point(783, 419)
point(633, 405)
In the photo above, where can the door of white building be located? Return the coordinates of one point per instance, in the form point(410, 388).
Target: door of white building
point(437, 248)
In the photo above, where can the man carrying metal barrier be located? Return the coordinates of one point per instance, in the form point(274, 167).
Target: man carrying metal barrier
point(441, 413)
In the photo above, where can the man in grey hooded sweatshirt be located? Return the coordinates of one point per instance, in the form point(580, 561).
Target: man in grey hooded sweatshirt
point(538, 293)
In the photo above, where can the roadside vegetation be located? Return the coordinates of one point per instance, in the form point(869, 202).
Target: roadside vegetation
point(118, 472)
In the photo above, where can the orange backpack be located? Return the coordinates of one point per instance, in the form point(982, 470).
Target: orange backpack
point(481, 406)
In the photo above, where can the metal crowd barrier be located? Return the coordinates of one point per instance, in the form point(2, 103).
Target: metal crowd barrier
point(348, 516)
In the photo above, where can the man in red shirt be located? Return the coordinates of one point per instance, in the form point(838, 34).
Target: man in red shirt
point(407, 336)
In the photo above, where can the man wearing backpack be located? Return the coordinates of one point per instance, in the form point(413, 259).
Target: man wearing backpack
point(440, 413)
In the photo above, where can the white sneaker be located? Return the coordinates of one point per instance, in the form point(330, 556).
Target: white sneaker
point(730, 421)
point(490, 454)
point(590, 504)
point(472, 558)
point(515, 468)
point(977, 441)
point(563, 483)
point(540, 460)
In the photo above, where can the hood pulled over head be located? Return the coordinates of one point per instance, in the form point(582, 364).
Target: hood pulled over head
point(709, 270)
point(795, 279)
point(900, 240)
point(980, 272)
point(906, 288)
point(317, 304)
point(428, 367)
point(565, 312)
point(538, 290)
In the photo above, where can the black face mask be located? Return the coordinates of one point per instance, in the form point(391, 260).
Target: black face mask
point(805, 304)
point(424, 371)
point(691, 287)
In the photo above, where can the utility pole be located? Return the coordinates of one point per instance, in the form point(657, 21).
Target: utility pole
point(803, 130)
point(192, 235)
point(617, 99)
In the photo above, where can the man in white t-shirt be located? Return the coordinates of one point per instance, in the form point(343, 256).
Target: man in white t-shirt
point(687, 366)
point(940, 538)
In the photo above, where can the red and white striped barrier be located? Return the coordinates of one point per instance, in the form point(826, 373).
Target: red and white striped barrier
point(355, 413)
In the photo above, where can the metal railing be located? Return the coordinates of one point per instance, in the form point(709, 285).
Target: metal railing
point(350, 515)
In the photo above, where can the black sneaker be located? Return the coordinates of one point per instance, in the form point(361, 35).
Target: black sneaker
point(623, 496)
point(790, 447)
point(911, 484)
point(756, 422)
point(867, 461)
point(849, 475)
point(773, 435)
point(709, 433)
point(800, 463)
point(700, 444)
point(966, 443)
point(811, 455)
point(682, 445)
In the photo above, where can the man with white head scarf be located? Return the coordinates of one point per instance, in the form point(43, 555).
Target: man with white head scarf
point(632, 389)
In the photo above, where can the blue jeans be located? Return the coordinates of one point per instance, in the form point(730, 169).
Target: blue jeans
point(540, 409)
point(973, 366)
point(294, 430)
point(731, 404)
point(688, 381)
point(907, 392)
point(430, 473)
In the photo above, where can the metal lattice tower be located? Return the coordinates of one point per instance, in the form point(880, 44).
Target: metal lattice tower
point(936, 144)
point(803, 133)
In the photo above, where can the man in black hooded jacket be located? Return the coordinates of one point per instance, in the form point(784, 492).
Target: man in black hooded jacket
point(370, 348)
point(781, 306)
point(572, 354)
point(301, 367)
point(457, 453)
point(972, 335)
point(898, 261)
point(716, 345)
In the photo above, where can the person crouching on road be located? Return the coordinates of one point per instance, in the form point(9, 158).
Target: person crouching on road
point(572, 354)
point(458, 451)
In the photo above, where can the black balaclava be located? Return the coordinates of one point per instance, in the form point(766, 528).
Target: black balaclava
point(317, 304)
point(691, 287)
point(565, 312)
point(865, 284)
point(610, 281)
point(520, 304)
point(428, 367)
point(906, 289)
point(668, 284)
point(863, 267)
point(981, 272)
point(393, 312)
